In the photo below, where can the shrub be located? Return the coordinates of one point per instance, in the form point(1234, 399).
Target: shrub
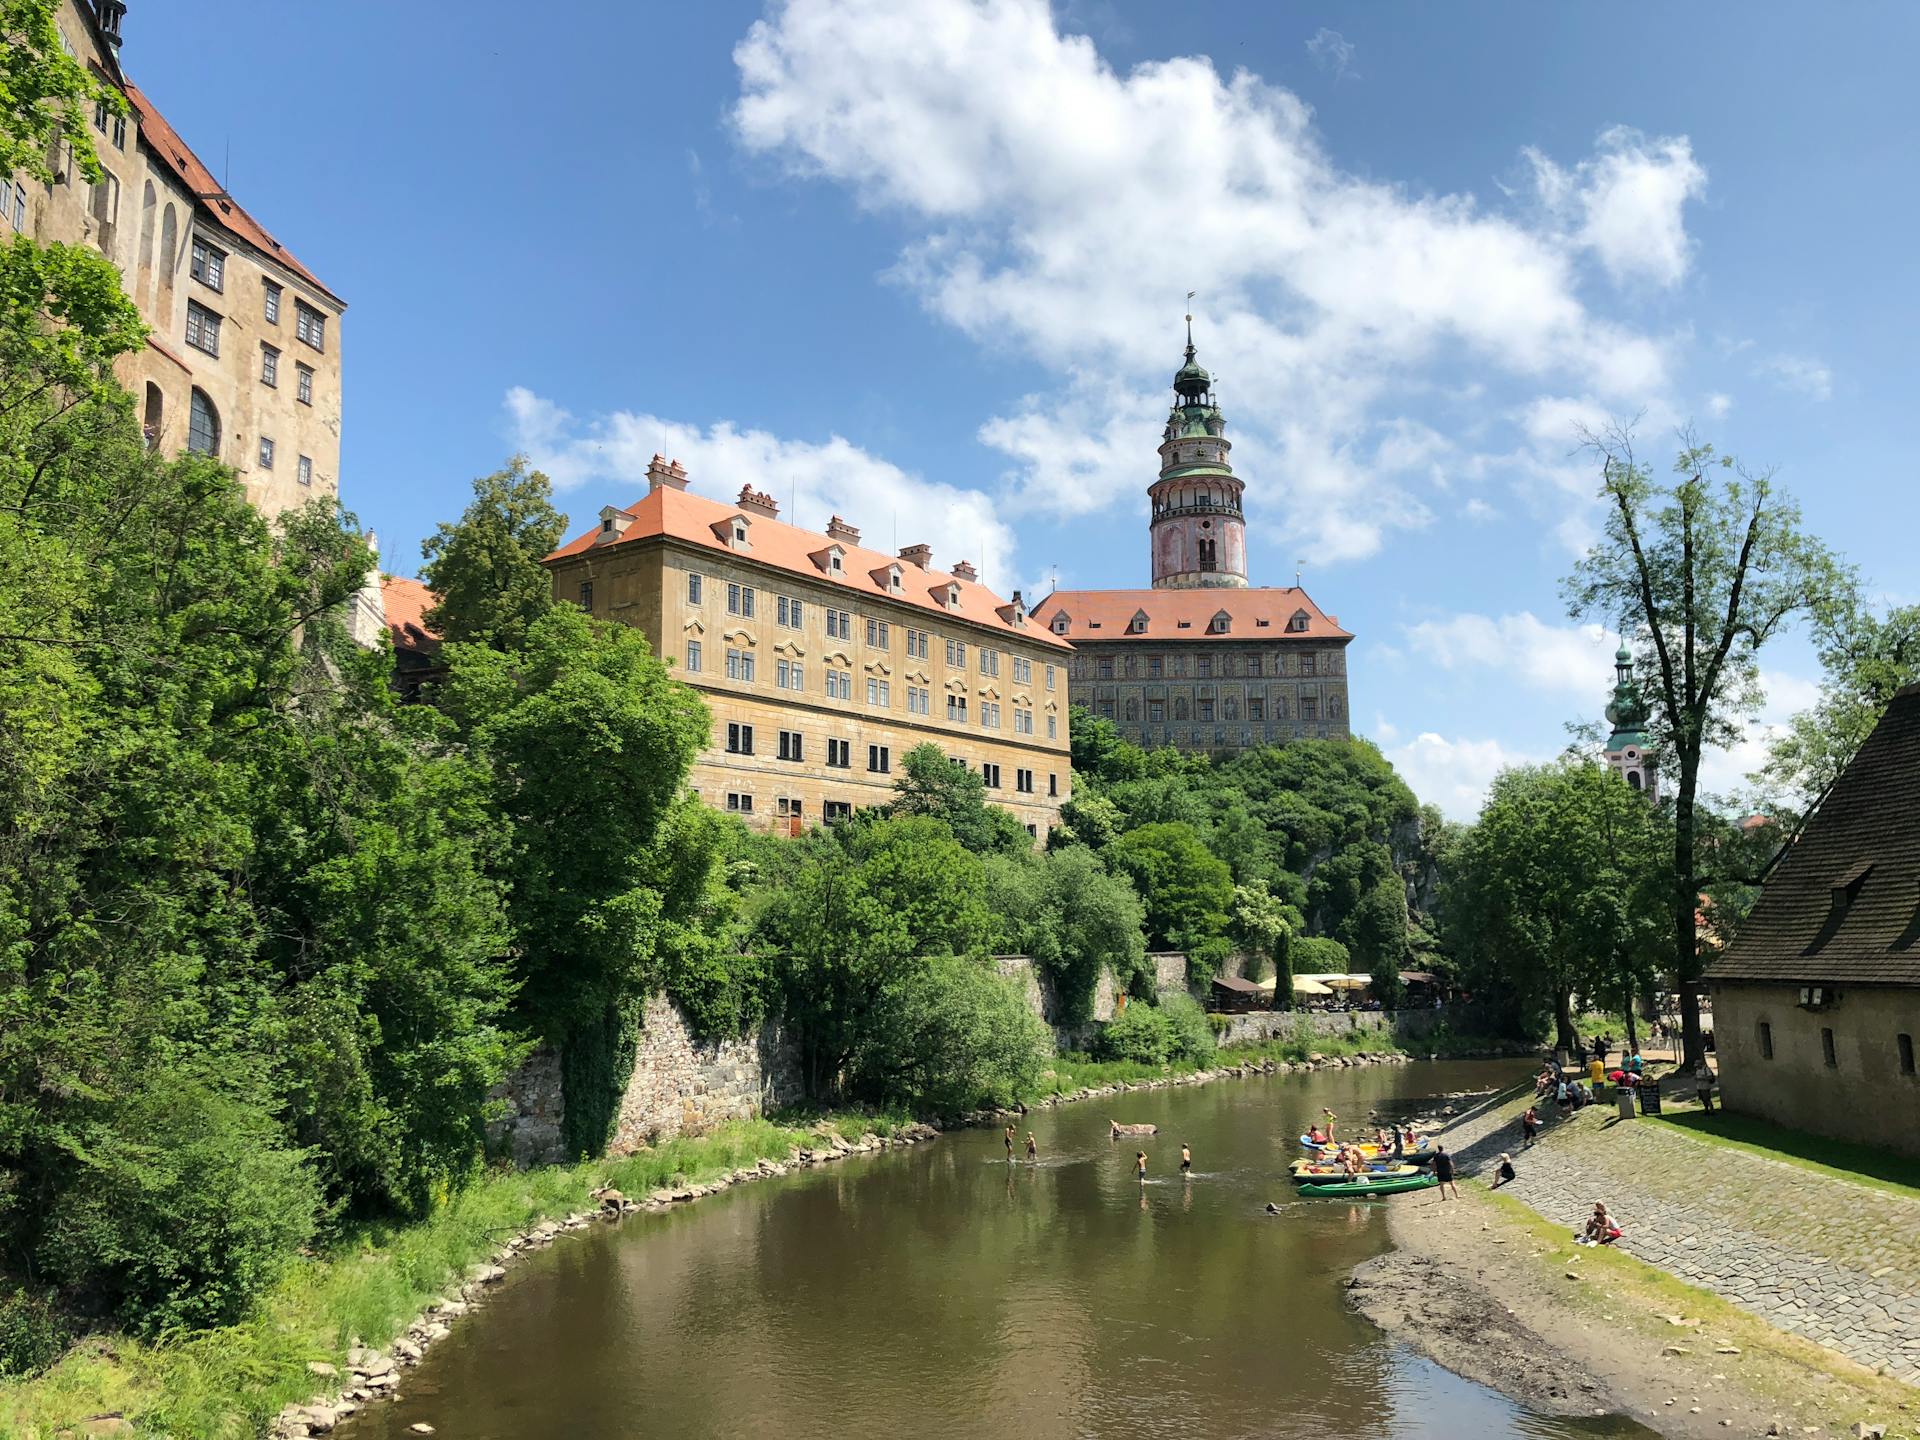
point(1313, 955)
point(950, 1037)
point(34, 1332)
point(186, 1207)
point(1191, 1037)
point(1139, 1033)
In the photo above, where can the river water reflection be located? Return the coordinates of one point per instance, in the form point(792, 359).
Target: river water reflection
point(940, 1291)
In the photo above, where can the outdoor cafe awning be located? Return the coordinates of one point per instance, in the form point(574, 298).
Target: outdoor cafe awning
point(1346, 982)
point(1307, 985)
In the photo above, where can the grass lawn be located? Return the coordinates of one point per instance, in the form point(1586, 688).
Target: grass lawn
point(1862, 1164)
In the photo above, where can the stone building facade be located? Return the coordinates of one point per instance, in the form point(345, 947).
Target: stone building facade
point(1202, 660)
point(1816, 1003)
point(825, 662)
point(244, 358)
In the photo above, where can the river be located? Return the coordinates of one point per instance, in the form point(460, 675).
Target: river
point(939, 1291)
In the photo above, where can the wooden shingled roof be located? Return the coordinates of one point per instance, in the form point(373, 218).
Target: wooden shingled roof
point(1844, 905)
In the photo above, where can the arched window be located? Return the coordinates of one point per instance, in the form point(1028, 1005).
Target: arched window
point(169, 246)
point(155, 416)
point(203, 425)
point(1633, 778)
point(148, 201)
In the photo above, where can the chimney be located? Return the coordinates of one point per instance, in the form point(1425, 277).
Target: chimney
point(963, 570)
point(759, 502)
point(613, 524)
point(921, 555)
point(838, 529)
point(659, 473)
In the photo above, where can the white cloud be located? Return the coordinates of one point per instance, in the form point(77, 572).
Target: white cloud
point(1064, 207)
point(1719, 405)
point(1566, 660)
point(810, 479)
point(1627, 203)
point(1454, 773)
point(1801, 374)
point(1725, 772)
point(1333, 53)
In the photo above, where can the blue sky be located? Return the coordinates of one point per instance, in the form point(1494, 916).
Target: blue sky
point(923, 262)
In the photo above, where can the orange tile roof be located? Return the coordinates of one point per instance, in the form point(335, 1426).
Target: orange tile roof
point(690, 519)
point(209, 193)
point(407, 602)
point(1106, 614)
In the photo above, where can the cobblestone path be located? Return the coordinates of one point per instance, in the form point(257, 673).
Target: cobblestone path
point(1836, 1262)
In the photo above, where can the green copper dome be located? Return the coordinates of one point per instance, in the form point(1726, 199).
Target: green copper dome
point(1191, 379)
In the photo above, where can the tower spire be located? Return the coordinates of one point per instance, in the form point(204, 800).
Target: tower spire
point(1198, 531)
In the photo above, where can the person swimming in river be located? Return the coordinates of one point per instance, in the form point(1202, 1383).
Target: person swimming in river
point(1033, 1150)
point(1140, 1166)
point(1186, 1159)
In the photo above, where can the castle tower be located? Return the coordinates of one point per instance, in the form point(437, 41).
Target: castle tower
point(1628, 750)
point(1199, 533)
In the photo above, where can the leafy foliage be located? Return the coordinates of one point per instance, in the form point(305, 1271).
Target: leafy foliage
point(45, 93)
point(1175, 1029)
point(485, 566)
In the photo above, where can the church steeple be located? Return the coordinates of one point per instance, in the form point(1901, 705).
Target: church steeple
point(1628, 750)
point(1199, 533)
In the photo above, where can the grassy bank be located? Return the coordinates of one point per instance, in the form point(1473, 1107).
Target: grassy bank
point(1805, 1383)
point(1837, 1159)
point(371, 1283)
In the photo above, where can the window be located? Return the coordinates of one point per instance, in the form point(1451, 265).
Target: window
point(209, 265)
point(1205, 711)
point(303, 472)
point(788, 612)
point(19, 205)
point(1905, 1043)
point(1307, 663)
point(739, 739)
point(916, 644)
point(1766, 1041)
point(791, 808)
point(739, 535)
point(957, 708)
point(269, 365)
point(1022, 671)
point(1022, 721)
point(586, 596)
point(1023, 781)
point(739, 803)
point(789, 675)
point(739, 599)
point(740, 665)
point(1309, 708)
point(792, 746)
point(1156, 712)
point(693, 588)
point(119, 132)
point(1053, 784)
point(1049, 677)
point(1206, 667)
point(266, 453)
point(840, 754)
point(1153, 667)
point(879, 692)
point(839, 684)
point(203, 424)
point(1053, 727)
point(836, 810)
point(1256, 709)
point(1826, 1049)
point(879, 633)
point(919, 700)
point(1106, 668)
point(271, 293)
point(990, 663)
point(310, 325)
point(879, 759)
point(303, 388)
point(957, 652)
point(839, 625)
point(989, 715)
point(990, 773)
point(693, 657)
point(203, 328)
point(1299, 621)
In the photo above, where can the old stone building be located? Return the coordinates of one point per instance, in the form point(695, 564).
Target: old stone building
point(1202, 660)
point(244, 359)
point(825, 662)
point(1816, 1003)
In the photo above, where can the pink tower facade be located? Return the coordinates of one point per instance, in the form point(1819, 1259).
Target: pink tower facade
point(1199, 530)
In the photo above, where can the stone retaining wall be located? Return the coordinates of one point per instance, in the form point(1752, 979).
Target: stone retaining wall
point(1406, 1026)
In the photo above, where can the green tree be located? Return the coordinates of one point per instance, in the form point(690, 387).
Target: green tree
point(1283, 969)
point(1868, 659)
point(485, 567)
point(1101, 927)
point(933, 785)
point(46, 95)
point(1707, 570)
point(1188, 891)
point(952, 1036)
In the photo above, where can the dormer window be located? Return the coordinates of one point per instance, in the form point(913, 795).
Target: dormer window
point(893, 579)
point(953, 597)
point(1298, 623)
point(739, 533)
point(1221, 623)
point(1060, 623)
point(1138, 625)
point(833, 562)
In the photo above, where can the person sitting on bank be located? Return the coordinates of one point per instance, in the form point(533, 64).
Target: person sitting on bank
point(1600, 1227)
point(1529, 1127)
point(1502, 1172)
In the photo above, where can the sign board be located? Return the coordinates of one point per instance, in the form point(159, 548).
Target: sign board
point(1649, 1098)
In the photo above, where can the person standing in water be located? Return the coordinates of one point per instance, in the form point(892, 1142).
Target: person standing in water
point(1186, 1158)
point(1140, 1166)
point(1008, 1137)
point(1033, 1150)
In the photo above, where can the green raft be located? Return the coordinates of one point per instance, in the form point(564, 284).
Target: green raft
point(1347, 1189)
